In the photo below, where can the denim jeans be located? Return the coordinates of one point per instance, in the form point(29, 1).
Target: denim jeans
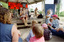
point(20, 40)
point(60, 33)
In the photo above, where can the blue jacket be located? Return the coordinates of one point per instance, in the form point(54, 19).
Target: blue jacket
point(29, 36)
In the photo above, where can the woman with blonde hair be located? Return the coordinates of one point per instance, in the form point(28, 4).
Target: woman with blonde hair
point(8, 31)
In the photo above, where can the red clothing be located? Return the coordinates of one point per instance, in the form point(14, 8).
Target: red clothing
point(34, 39)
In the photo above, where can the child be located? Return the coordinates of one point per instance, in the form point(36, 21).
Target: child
point(55, 23)
point(56, 29)
point(38, 31)
point(31, 33)
point(47, 32)
point(51, 20)
point(59, 29)
point(48, 14)
point(47, 19)
point(50, 24)
point(34, 22)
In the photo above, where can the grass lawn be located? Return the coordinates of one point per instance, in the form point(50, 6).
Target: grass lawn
point(4, 4)
point(61, 14)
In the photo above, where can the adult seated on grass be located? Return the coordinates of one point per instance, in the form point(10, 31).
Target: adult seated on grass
point(8, 31)
point(56, 30)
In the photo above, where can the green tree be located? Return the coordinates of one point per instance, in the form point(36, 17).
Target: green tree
point(58, 8)
point(4, 4)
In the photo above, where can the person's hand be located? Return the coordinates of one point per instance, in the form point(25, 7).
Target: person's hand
point(19, 33)
point(20, 14)
point(57, 30)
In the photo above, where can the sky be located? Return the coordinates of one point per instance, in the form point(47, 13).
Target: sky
point(49, 1)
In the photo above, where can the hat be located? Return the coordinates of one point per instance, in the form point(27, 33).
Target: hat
point(55, 16)
point(44, 25)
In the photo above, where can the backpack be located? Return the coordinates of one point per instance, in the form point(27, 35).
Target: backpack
point(47, 34)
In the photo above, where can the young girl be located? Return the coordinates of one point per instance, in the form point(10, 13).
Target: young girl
point(59, 29)
point(47, 20)
point(38, 31)
point(55, 22)
point(47, 32)
point(31, 33)
point(51, 20)
point(55, 25)
point(50, 24)
point(48, 14)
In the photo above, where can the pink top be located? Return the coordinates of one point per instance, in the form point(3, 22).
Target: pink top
point(34, 39)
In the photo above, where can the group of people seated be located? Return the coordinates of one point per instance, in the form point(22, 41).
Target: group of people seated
point(38, 32)
point(24, 14)
point(54, 25)
point(9, 32)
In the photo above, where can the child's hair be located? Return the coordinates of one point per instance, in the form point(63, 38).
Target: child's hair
point(51, 19)
point(38, 30)
point(48, 11)
point(34, 22)
point(58, 18)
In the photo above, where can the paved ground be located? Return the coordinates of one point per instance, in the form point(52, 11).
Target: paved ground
point(62, 19)
point(25, 32)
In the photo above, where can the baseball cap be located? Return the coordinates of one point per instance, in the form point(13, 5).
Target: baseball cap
point(55, 16)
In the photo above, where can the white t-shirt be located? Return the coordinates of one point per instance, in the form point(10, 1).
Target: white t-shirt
point(49, 15)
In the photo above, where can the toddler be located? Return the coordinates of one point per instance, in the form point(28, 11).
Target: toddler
point(38, 31)
point(47, 32)
point(47, 20)
point(31, 33)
